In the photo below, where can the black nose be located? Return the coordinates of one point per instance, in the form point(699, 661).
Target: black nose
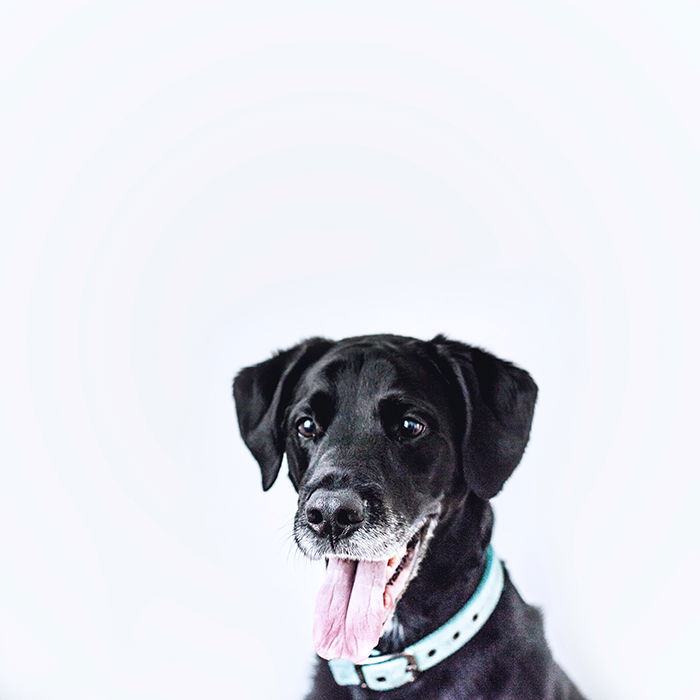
point(335, 513)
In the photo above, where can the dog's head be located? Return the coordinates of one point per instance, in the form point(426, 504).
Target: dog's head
point(379, 432)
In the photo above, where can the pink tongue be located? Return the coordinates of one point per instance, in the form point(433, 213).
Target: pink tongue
point(350, 609)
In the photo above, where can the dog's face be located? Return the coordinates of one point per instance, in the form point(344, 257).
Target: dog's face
point(371, 445)
point(379, 432)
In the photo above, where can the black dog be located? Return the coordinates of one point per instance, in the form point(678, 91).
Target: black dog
point(395, 446)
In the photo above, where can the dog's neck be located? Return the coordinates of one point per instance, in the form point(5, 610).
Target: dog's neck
point(448, 575)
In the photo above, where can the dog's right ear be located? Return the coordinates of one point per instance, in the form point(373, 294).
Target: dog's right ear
point(262, 393)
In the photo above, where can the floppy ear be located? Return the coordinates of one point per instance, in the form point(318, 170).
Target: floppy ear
point(262, 394)
point(498, 401)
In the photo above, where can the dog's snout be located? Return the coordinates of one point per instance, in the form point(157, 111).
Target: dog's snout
point(335, 513)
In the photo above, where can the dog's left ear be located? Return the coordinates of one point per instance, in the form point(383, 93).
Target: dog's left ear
point(498, 401)
point(262, 393)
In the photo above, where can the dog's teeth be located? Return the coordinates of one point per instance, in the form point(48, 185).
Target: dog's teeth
point(396, 559)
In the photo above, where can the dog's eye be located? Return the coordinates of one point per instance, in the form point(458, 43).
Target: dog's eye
point(306, 427)
point(410, 427)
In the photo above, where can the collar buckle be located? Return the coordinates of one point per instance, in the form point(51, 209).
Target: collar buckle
point(411, 670)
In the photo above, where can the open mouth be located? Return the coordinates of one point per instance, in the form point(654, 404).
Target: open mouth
point(358, 597)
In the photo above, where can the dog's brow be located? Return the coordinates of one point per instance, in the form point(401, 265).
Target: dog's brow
point(407, 401)
point(403, 397)
point(321, 402)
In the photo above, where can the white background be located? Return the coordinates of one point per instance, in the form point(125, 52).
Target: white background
point(188, 186)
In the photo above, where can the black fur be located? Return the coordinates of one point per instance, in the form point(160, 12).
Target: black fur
point(478, 411)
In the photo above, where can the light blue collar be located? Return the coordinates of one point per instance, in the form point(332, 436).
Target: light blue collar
point(389, 671)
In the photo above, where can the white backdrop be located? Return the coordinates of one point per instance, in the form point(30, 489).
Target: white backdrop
point(188, 186)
